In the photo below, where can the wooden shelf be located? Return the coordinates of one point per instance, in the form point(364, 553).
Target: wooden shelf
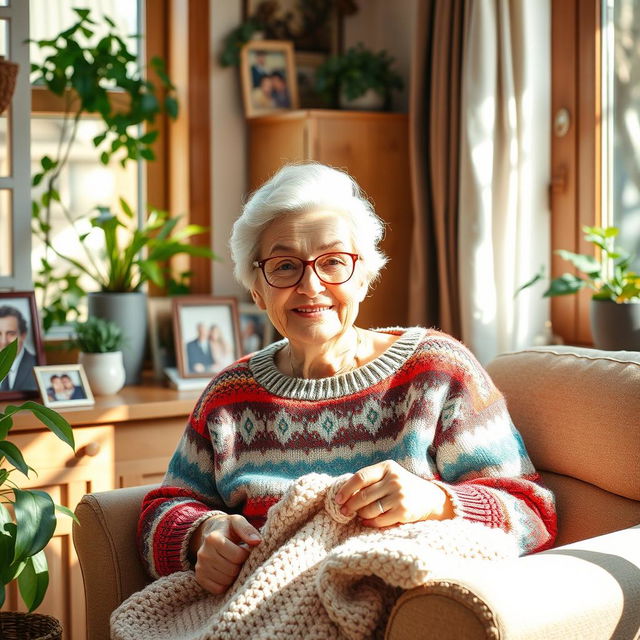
point(143, 402)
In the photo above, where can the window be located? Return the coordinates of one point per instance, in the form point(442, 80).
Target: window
point(595, 164)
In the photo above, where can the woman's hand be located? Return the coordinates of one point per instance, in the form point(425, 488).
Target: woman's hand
point(219, 546)
point(385, 494)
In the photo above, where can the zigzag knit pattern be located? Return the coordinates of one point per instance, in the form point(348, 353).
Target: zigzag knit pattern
point(425, 403)
point(316, 574)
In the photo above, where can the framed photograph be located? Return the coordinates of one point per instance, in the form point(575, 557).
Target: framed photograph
point(63, 385)
point(316, 27)
point(161, 340)
point(256, 330)
point(268, 77)
point(19, 320)
point(206, 333)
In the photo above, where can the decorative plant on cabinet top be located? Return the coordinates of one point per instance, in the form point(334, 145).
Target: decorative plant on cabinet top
point(84, 68)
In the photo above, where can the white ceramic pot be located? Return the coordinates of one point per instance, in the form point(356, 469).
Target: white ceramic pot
point(105, 371)
point(370, 100)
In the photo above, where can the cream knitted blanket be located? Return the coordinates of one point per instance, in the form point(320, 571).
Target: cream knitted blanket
point(315, 575)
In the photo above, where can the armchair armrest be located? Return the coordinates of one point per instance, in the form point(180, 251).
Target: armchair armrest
point(588, 590)
point(105, 540)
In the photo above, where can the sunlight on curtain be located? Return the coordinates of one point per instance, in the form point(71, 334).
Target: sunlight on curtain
point(504, 174)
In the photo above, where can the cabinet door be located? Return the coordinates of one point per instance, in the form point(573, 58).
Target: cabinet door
point(374, 149)
point(143, 449)
point(66, 477)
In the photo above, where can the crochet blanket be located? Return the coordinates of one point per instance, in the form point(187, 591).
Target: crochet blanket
point(316, 574)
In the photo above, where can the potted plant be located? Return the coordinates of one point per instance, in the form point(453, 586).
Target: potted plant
point(358, 79)
point(25, 533)
point(83, 67)
point(100, 344)
point(615, 302)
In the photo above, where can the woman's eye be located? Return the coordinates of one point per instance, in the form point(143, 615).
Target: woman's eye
point(284, 266)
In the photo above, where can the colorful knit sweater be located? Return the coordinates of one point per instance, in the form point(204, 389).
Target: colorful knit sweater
point(425, 403)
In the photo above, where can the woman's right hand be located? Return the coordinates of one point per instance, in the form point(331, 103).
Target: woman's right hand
point(220, 546)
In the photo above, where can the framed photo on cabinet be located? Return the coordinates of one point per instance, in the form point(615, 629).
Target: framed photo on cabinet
point(207, 334)
point(19, 321)
point(268, 77)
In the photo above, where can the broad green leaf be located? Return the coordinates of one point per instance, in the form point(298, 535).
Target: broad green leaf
point(7, 356)
point(36, 520)
point(171, 107)
point(51, 419)
point(6, 422)
point(564, 285)
point(586, 264)
point(2, 593)
point(34, 580)
point(126, 208)
point(13, 456)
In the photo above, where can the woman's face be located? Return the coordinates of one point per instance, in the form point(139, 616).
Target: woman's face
point(312, 312)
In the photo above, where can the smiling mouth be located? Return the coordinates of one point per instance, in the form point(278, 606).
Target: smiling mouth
point(311, 311)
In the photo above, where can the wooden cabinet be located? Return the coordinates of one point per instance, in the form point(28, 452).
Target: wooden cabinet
point(123, 440)
point(374, 149)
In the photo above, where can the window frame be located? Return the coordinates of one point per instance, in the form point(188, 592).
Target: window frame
point(576, 159)
point(178, 31)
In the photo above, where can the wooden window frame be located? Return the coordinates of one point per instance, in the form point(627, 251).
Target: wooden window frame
point(576, 159)
point(179, 179)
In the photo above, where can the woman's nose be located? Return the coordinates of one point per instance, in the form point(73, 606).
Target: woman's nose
point(310, 284)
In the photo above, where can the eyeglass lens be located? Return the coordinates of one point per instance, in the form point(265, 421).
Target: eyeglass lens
point(333, 268)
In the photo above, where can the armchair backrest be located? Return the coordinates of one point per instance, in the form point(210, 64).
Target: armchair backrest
point(578, 411)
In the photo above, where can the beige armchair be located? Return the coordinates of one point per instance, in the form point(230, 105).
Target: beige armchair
point(579, 413)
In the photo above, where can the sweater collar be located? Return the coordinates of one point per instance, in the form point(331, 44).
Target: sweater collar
point(266, 373)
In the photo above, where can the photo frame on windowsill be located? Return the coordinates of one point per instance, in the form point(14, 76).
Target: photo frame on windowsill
point(206, 333)
point(19, 320)
point(268, 77)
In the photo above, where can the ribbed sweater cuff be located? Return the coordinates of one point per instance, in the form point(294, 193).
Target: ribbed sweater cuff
point(475, 503)
point(172, 535)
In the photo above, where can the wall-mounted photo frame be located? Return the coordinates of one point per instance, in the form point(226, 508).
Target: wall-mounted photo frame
point(162, 345)
point(256, 330)
point(63, 385)
point(268, 77)
point(19, 320)
point(207, 334)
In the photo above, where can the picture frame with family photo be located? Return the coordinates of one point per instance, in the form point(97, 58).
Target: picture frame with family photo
point(19, 321)
point(63, 385)
point(268, 77)
point(207, 335)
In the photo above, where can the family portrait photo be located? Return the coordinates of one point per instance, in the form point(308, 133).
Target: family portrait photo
point(268, 77)
point(19, 321)
point(63, 385)
point(207, 335)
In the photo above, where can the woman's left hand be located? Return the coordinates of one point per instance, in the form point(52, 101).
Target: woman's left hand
point(385, 494)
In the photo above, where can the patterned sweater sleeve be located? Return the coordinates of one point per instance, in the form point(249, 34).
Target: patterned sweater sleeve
point(483, 463)
point(187, 496)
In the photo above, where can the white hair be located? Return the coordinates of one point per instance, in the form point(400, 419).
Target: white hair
point(298, 188)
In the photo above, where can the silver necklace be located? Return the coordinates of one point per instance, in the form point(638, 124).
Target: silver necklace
point(354, 363)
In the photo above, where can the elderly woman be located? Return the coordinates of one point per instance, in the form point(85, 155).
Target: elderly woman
point(408, 412)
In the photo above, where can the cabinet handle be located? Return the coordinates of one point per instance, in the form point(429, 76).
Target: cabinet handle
point(90, 449)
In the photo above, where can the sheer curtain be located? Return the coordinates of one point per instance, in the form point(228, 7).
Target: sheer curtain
point(503, 227)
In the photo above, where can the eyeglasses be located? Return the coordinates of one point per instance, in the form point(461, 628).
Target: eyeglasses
point(283, 272)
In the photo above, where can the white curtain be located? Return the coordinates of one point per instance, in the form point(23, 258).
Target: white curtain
point(505, 147)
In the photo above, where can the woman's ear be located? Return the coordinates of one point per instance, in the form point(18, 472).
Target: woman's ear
point(258, 299)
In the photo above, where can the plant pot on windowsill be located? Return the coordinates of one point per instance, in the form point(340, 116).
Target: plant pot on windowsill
point(34, 626)
point(615, 326)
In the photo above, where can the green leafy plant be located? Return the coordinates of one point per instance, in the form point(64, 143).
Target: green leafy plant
point(98, 335)
point(24, 535)
point(608, 277)
point(84, 68)
point(356, 71)
point(230, 54)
